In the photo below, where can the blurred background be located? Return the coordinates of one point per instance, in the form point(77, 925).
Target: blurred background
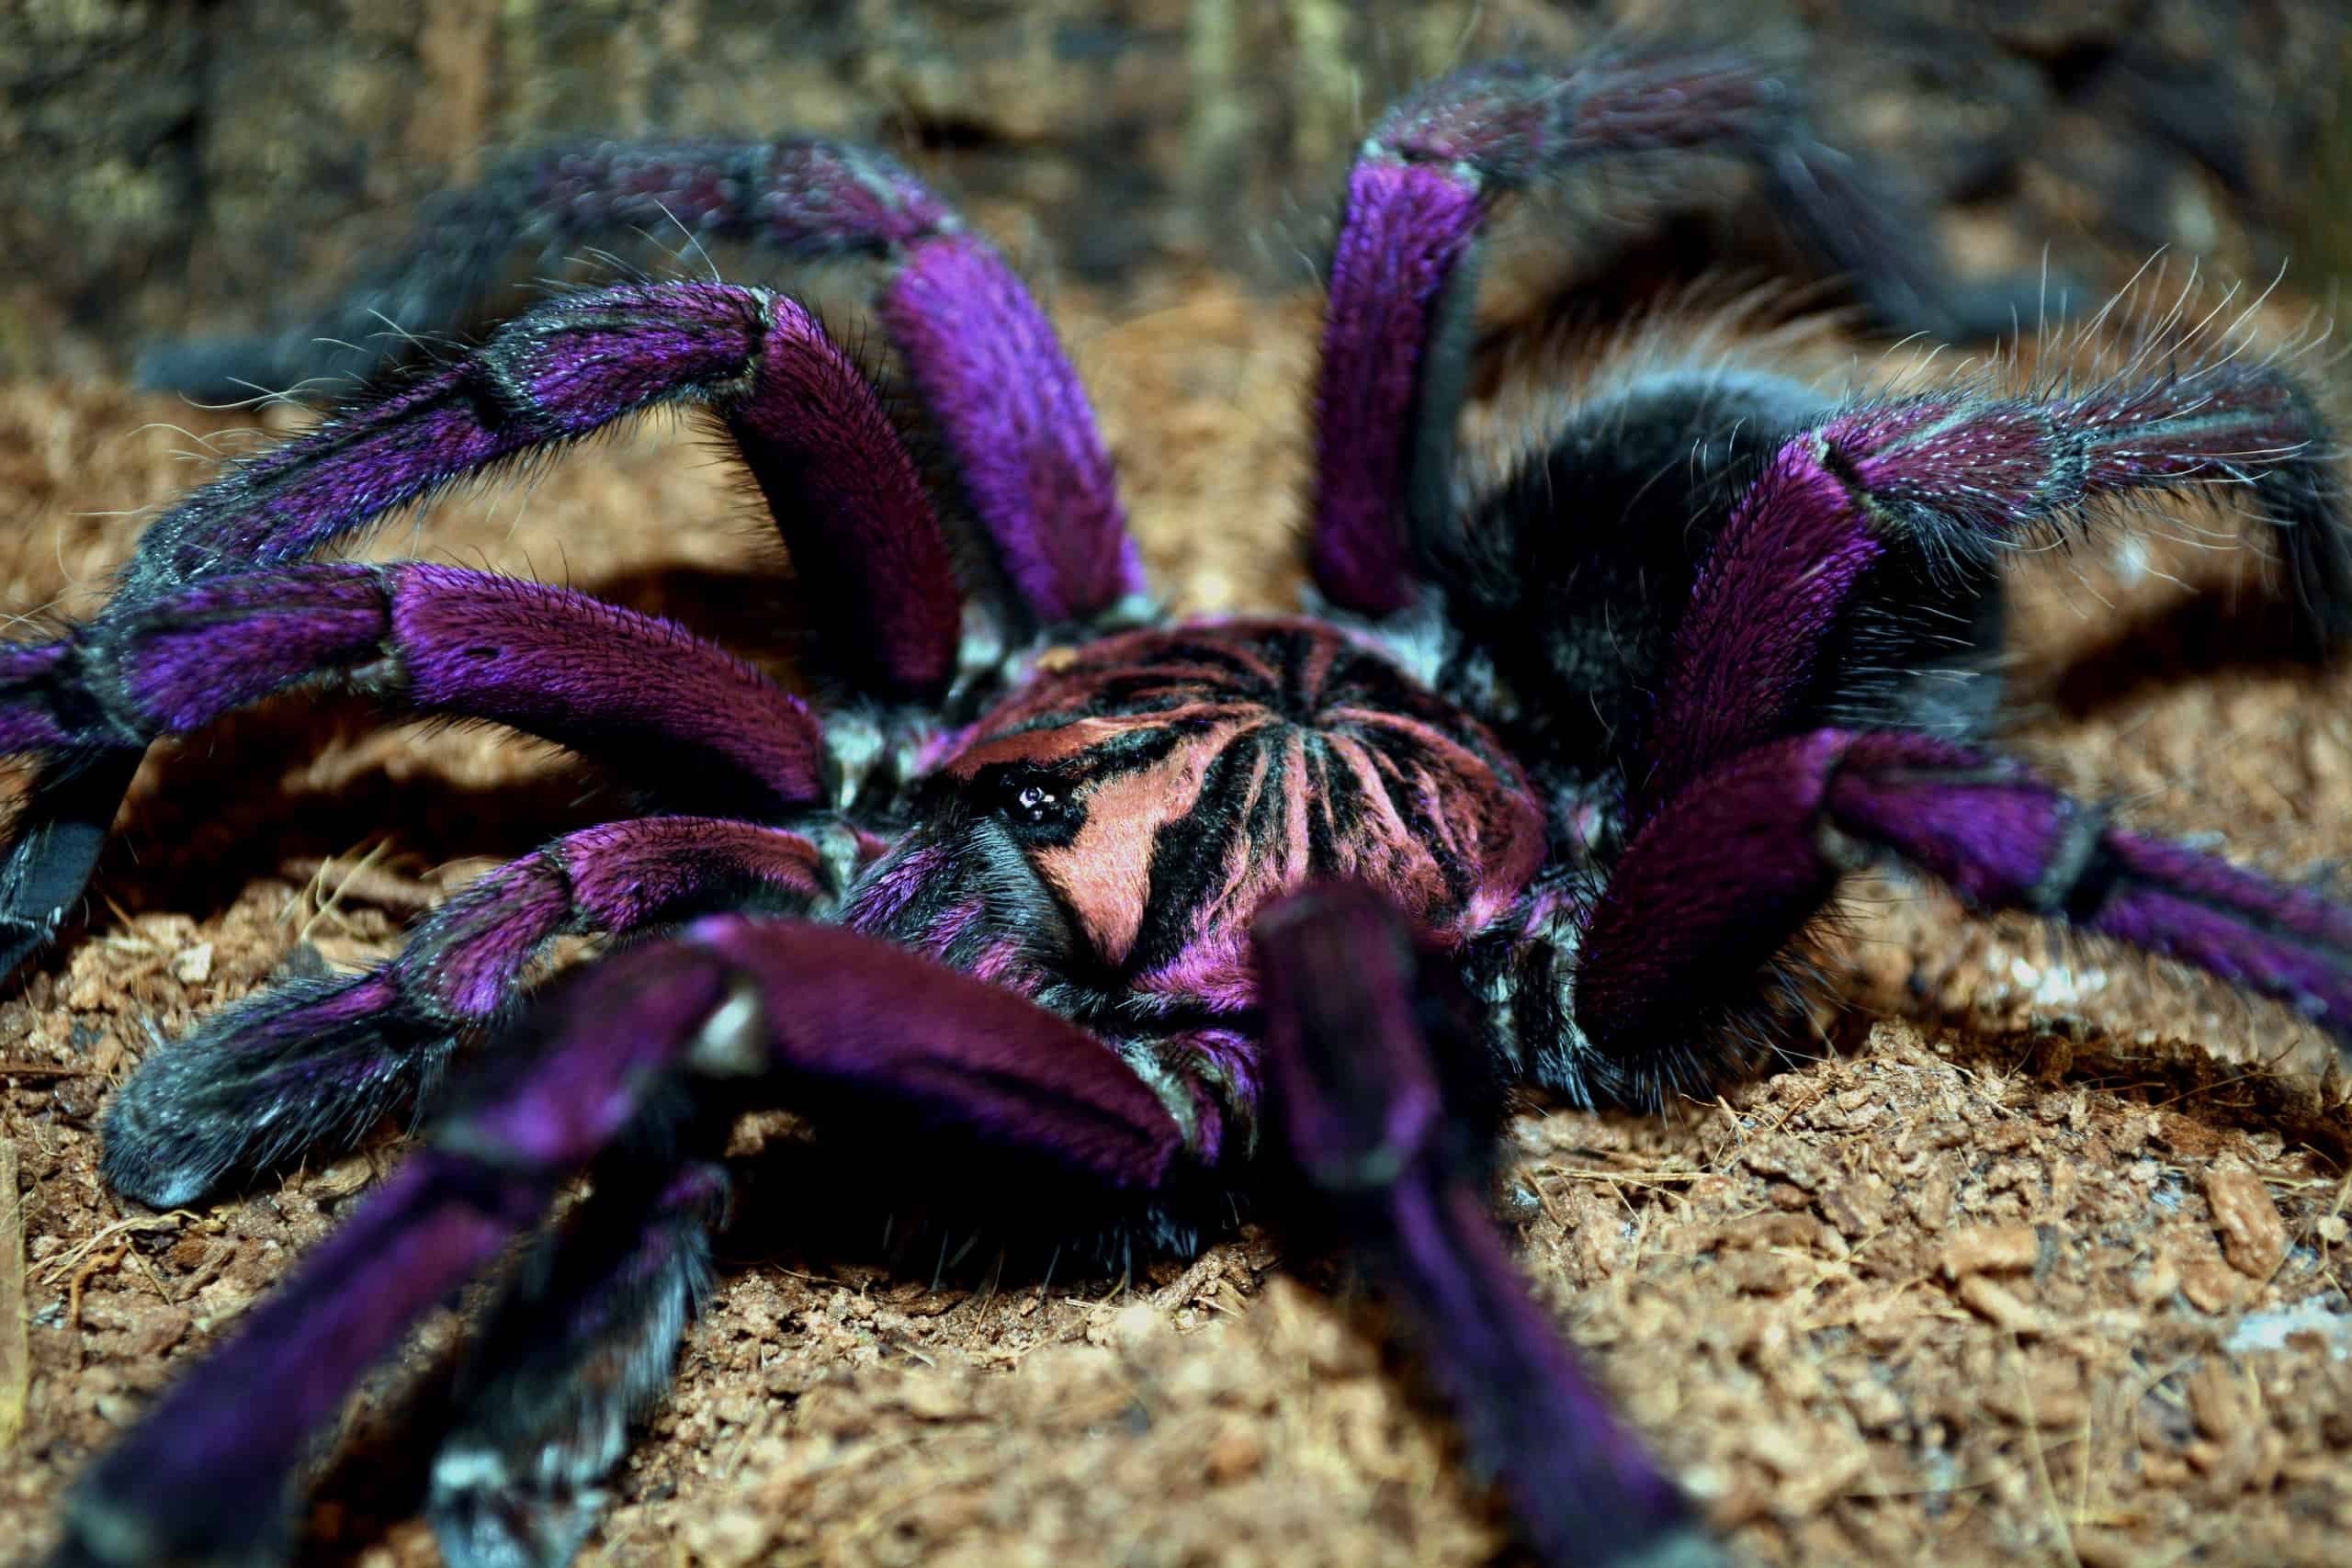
point(178, 166)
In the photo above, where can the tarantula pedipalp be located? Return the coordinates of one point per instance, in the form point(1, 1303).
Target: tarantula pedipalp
point(1583, 756)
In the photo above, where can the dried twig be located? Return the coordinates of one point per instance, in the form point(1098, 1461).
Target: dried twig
point(15, 1343)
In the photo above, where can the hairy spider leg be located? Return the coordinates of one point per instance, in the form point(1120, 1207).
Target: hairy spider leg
point(1955, 481)
point(1569, 567)
point(1002, 394)
point(1405, 1168)
point(1729, 869)
point(845, 493)
point(309, 1064)
point(1404, 272)
point(683, 720)
point(579, 1350)
point(808, 424)
point(815, 1010)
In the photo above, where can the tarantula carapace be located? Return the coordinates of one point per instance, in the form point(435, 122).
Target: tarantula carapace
point(1544, 791)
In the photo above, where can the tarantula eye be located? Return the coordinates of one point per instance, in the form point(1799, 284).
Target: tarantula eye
point(1033, 799)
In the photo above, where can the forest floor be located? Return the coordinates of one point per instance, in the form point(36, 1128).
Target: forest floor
point(2048, 1265)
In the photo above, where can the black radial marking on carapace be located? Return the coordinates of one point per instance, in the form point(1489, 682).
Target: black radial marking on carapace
point(1221, 763)
point(1191, 857)
point(1419, 827)
point(1335, 805)
point(1269, 821)
point(1128, 752)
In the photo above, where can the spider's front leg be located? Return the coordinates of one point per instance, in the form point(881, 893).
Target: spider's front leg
point(628, 1058)
point(1406, 1167)
point(804, 421)
point(995, 381)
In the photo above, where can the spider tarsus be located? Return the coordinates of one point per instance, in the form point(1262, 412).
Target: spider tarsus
point(307, 1067)
point(580, 1348)
point(53, 846)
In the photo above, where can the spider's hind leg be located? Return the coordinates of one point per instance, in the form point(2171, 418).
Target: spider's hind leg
point(1404, 271)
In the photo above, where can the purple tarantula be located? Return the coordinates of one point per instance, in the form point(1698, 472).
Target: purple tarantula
point(1543, 793)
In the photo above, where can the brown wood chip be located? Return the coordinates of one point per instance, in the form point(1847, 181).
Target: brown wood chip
point(2254, 1238)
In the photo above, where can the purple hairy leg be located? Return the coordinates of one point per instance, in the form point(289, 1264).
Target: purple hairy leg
point(1395, 331)
point(1380, 405)
point(204, 1477)
point(1726, 873)
point(844, 491)
point(621, 1052)
point(1370, 1124)
point(582, 1347)
point(1958, 479)
point(676, 714)
point(314, 1062)
point(1003, 393)
point(805, 196)
point(1011, 410)
point(812, 432)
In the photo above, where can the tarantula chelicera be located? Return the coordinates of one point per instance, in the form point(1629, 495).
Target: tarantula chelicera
point(1543, 791)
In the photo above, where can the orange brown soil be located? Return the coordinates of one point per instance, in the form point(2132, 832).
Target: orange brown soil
point(2050, 1268)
